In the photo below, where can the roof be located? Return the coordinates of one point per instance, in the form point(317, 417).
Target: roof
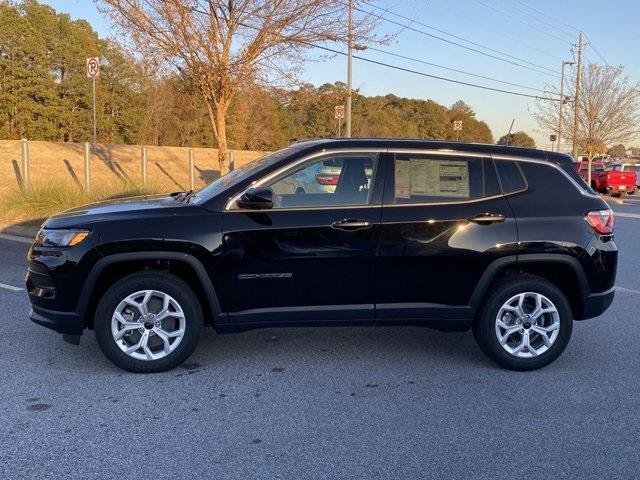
point(555, 157)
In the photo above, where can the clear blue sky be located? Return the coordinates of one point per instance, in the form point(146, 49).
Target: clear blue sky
point(505, 25)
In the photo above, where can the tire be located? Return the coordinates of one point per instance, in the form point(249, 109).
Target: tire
point(486, 328)
point(182, 322)
point(632, 191)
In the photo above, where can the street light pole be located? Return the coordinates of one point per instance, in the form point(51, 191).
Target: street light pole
point(347, 132)
point(561, 103)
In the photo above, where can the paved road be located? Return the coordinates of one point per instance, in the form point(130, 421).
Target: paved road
point(324, 403)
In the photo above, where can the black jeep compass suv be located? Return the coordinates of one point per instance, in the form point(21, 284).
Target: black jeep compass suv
point(506, 241)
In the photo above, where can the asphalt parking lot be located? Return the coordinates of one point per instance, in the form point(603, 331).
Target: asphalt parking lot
point(325, 403)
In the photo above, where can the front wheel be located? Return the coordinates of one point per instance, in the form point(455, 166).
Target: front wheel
point(148, 322)
point(525, 324)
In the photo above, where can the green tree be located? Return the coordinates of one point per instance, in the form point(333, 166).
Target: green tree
point(26, 88)
point(517, 139)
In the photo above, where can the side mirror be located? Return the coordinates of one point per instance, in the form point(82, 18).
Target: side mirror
point(259, 198)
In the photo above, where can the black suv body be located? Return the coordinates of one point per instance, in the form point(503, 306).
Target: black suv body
point(439, 234)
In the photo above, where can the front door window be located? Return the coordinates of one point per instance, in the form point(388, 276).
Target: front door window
point(331, 181)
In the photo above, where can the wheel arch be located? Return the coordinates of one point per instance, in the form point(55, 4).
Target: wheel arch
point(564, 271)
point(115, 266)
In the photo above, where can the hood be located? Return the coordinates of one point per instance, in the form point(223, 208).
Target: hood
point(123, 209)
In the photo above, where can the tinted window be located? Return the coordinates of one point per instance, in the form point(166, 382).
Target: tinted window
point(440, 178)
point(510, 176)
point(334, 181)
point(570, 169)
point(491, 185)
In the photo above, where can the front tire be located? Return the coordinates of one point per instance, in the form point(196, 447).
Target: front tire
point(525, 324)
point(148, 322)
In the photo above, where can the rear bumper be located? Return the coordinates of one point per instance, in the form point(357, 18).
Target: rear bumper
point(597, 303)
point(67, 323)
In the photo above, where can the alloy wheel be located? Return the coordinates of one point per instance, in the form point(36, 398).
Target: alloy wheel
point(148, 325)
point(527, 325)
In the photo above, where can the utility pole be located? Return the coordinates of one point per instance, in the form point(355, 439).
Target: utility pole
point(561, 103)
point(576, 98)
point(347, 132)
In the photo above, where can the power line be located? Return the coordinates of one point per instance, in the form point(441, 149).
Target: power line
point(408, 27)
point(593, 47)
point(541, 20)
point(453, 36)
point(459, 82)
point(454, 69)
point(546, 15)
point(513, 17)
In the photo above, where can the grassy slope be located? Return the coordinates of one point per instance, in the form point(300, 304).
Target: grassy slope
point(57, 173)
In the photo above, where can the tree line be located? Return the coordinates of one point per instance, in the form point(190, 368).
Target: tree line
point(45, 95)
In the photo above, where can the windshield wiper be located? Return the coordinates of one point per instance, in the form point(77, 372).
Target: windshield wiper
point(183, 196)
point(188, 196)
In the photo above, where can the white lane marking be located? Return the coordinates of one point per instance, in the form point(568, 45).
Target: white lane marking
point(627, 290)
point(15, 238)
point(11, 287)
point(628, 215)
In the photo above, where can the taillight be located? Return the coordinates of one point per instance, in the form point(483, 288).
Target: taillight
point(601, 221)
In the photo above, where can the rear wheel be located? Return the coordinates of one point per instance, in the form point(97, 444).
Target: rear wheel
point(148, 322)
point(525, 324)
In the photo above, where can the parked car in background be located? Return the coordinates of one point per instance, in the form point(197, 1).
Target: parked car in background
point(629, 167)
point(608, 179)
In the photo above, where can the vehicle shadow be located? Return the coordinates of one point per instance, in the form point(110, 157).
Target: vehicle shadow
point(371, 345)
point(305, 347)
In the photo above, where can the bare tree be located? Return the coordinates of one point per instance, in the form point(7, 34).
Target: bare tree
point(225, 44)
point(609, 111)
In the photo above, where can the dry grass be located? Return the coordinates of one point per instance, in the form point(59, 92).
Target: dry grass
point(37, 203)
point(57, 175)
point(112, 166)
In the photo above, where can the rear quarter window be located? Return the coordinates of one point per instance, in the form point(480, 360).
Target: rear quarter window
point(570, 169)
point(550, 186)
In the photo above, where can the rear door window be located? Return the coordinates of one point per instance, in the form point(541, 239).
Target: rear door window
point(511, 177)
point(424, 178)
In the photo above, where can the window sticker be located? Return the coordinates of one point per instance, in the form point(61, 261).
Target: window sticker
point(439, 178)
point(403, 179)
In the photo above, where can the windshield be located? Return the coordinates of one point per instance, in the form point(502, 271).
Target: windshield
point(239, 174)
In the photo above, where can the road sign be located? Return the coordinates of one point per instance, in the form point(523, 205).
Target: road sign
point(93, 67)
point(338, 112)
point(457, 125)
point(553, 137)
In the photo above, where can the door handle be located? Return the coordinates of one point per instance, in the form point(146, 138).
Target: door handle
point(351, 224)
point(487, 218)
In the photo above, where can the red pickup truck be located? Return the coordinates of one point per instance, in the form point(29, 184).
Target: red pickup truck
point(608, 179)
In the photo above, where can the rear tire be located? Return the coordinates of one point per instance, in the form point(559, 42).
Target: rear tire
point(522, 345)
point(156, 311)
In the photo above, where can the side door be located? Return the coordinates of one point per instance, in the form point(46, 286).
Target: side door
point(311, 256)
point(444, 221)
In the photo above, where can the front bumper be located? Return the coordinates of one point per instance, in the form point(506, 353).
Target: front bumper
point(67, 323)
point(597, 303)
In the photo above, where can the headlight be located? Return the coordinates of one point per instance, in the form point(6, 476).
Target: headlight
point(61, 238)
